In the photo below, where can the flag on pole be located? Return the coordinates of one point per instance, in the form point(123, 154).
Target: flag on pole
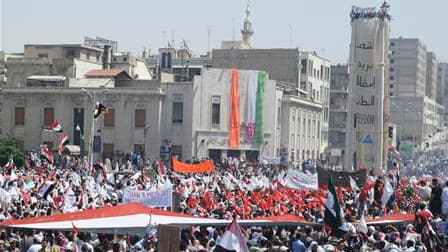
point(64, 141)
point(99, 109)
point(362, 226)
point(47, 155)
point(233, 239)
point(333, 211)
point(10, 163)
point(45, 189)
point(388, 191)
point(75, 228)
point(353, 184)
point(55, 127)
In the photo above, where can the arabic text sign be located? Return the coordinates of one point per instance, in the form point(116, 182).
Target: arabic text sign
point(300, 180)
point(159, 198)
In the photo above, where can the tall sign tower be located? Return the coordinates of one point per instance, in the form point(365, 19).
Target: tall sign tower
point(368, 111)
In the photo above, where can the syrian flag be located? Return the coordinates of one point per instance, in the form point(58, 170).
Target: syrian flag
point(333, 211)
point(10, 164)
point(55, 127)
point(161, 168)
point(47, 155)
point(233, 239)
point(99, 109)
point(353, 185)
point(45, 189)
point(64, 141)
point(75, 228)
point(388, 191)
point(362, 226)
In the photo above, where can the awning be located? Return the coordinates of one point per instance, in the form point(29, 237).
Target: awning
point(73, 149)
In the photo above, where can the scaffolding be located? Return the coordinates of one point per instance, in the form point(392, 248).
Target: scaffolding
point(99, 42)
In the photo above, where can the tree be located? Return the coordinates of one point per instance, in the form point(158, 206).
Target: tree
point(11, 147)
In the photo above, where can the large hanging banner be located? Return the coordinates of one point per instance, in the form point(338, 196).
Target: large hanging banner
point(235, 120)
point(299, 180)
point(206, 166)
point(159, 198)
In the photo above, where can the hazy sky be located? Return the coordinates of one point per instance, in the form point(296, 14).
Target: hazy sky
point(320, 25)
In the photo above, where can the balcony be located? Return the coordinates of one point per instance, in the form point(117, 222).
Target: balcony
point(336, 126)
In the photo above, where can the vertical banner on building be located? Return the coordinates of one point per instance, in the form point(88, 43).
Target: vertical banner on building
point(368, 85)
point(235, 121)
point(259, 117)
point(251, 103)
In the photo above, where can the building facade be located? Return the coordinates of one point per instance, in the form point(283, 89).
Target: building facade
point(367, 88)
point(132, 123)
point(431, 75)
point(307, 73)
point(338, 113)
point(442, 89)
point(408, 66)
point(417, 119)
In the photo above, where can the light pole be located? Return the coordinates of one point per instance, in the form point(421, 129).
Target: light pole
point(81, 140)
point(92, 128)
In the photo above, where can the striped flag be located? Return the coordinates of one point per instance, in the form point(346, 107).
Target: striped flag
point(99, 109)
point(55, 127)
point(47, 155)
point(233, 239)
point(64, 141)
point(333, 211)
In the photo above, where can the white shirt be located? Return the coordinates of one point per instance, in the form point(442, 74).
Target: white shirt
point(34, 248)
point(444, 199)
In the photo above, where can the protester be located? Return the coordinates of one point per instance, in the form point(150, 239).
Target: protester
point(238, 188)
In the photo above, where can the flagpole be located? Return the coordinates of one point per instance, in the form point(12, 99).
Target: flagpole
point(92, 132)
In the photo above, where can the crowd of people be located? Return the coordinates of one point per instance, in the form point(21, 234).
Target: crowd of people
point(237, 189)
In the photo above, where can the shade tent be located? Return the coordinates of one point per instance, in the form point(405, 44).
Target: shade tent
point(134, 218)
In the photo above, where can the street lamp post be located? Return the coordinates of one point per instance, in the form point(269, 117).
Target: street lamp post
point(81, 139)
point(92, 128)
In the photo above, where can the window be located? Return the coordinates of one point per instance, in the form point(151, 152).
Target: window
point(391, 86)
point(391, 94)
point(42, 55)
point(392, 44)
point(108, 149)
point(115, 58)
point(392, 61)
point(392, 69)
point(303, 64)
point(88, 56)
point(391, 78)
point(314, 73)
point(321, 72)
point(139, 148)
point(109, 118)
point(125, 59)
point(48, 116)
point(176, 150)
point(19, 116)
point(178, 109)
point(140, 118)
point(216, 110)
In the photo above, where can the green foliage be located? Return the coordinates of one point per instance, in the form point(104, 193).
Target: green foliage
point(11, 147)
